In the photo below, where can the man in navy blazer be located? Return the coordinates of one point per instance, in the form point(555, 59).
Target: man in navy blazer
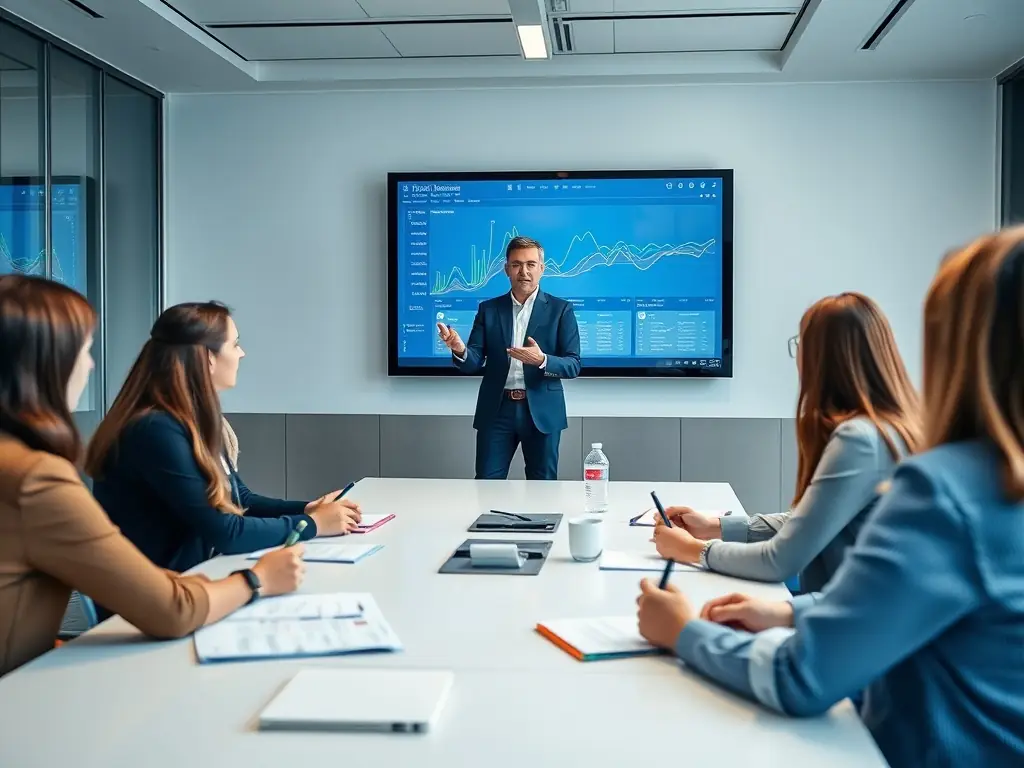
point(525, 342)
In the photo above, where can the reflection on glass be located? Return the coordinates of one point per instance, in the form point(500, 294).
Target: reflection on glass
point(22, 215)
point(131, 188)
point(74, 164)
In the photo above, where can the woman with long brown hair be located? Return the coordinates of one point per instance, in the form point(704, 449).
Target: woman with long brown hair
point(857, 417)
point(160, 459)
point(54, 537)
point(927, 611)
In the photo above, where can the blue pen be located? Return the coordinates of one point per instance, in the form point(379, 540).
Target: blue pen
point(347, 488)
point(664, 517)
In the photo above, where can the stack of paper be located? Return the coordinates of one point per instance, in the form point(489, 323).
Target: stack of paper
point(636, 561)
point(268, 633)
point(322, 552)
point(609, 637)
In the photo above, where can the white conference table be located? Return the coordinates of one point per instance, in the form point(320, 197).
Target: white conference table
point(112, 698)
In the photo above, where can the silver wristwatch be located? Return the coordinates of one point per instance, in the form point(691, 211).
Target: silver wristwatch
point(704, 554)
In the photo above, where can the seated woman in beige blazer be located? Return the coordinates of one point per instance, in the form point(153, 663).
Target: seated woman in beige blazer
point(54, 537)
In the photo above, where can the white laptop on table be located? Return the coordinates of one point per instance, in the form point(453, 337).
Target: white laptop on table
point(386, 700)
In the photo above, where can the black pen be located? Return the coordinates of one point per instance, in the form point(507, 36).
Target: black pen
point(345, 490)
point(511, 514)
point(664, 517)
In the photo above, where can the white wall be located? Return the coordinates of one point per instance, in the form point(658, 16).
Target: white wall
point(276, 204)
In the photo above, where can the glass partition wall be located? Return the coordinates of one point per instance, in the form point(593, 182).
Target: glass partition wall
point(80, 191)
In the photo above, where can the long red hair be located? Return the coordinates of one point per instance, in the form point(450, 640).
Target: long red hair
point(850, 366)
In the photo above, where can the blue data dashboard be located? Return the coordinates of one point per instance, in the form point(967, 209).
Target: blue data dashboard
point(644, 258)
point(23, 230)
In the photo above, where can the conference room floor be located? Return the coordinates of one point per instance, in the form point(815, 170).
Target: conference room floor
point(112, 698)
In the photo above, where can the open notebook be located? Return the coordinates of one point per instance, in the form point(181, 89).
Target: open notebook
point(607, 637)
point(372, 522)
point(646, 518)
point(612, 560)
point(323, 552)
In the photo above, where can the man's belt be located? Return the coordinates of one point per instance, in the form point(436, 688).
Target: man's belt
point(515, 394)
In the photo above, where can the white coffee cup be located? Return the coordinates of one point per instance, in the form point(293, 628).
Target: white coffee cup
point(586, 538)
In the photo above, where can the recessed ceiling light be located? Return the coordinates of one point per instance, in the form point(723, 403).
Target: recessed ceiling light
point(531, 38)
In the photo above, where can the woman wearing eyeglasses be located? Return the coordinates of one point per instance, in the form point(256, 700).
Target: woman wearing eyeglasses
point(857, 417)
point(927, 611)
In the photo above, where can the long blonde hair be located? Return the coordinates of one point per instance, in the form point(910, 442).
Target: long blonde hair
point(974, 351)
point(850, 366)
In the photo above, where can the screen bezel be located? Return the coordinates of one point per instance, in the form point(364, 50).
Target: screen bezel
point(587, 371)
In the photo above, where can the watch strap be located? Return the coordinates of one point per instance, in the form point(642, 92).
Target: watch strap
point(704, 554)
point(253, 581)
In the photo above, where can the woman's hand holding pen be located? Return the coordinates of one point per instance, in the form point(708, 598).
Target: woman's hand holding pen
point(281, 571)
point(676, 543)
point(334, 516)
point(662, 614)
point(698, 525)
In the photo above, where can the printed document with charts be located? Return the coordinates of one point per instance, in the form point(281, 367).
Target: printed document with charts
point(298, 626)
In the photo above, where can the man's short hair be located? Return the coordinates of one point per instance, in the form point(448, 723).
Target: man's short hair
point(521, 243)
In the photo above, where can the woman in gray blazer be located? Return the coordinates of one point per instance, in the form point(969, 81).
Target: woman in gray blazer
point(857, 416)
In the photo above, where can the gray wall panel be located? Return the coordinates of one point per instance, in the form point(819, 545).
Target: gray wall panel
point(742, 452)
point(261, 446)
point(325, 452)
point(322, 452)
point(637, 448)
point(450, 448)
point(427, 446)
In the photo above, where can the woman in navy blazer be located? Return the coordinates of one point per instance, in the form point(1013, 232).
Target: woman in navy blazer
point(163, 459)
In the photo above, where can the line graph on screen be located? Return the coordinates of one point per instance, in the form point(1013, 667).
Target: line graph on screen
point(588, 251)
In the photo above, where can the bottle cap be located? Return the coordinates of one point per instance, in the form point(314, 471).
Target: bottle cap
point(596, 445)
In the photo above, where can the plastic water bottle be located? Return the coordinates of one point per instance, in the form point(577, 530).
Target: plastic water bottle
point(595, 480)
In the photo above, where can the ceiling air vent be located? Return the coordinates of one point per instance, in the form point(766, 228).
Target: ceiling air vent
point(562, 36)
point(888, 22)
point(80, 6)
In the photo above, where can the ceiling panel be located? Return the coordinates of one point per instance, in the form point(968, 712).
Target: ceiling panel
point(241, 11)
point(390, 9)
point(267, 43)
point(718, 33)
point(591, 37)
point(496, 38)
point(673, 6)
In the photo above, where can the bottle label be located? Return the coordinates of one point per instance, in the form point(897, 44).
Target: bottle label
point(593, 474)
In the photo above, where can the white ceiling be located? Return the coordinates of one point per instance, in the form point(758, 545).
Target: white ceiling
point(237, 45)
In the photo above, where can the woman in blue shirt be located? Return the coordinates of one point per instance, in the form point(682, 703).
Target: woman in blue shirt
point(857, 416)
point(927, 611)
point(162, 460)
